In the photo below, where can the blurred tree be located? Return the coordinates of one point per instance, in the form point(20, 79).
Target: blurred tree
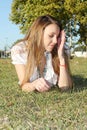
point(71, 14)
point(78, 10)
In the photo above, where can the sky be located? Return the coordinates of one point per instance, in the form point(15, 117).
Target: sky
point(9, 32)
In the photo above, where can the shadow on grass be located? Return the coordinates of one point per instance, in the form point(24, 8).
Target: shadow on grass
point(80, 83)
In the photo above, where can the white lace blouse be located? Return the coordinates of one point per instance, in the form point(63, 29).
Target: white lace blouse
point(19, 56)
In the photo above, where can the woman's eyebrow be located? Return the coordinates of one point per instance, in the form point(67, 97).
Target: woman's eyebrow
point(52, 33)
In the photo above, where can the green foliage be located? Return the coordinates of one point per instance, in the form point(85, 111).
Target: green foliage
point(25, 12)
point(78, 11)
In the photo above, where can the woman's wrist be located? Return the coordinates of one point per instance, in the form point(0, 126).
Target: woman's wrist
point(62, 61)
point(63, 65)
point(28, 87)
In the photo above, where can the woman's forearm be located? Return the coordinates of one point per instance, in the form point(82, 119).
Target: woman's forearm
point(64, 77)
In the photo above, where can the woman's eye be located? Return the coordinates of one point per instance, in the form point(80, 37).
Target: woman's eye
point(51, 36)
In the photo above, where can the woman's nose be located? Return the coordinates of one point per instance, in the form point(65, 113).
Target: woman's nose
point(55, 40)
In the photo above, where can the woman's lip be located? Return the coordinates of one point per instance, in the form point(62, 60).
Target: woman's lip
point(51, 45)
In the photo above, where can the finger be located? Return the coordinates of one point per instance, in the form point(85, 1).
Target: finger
point(41, 86)
point(43, 81)
point(41, 89)
point(62, 39)
point(59, 41)
point(63, 36)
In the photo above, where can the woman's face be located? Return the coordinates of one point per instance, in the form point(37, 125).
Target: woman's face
point(50, 36)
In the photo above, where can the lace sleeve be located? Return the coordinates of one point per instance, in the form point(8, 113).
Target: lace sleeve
point(18, 55)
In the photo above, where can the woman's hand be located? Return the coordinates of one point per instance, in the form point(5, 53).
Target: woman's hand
point(41, 85)
point(61, 41)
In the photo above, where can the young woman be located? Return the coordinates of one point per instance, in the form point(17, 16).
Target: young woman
point(40, 59)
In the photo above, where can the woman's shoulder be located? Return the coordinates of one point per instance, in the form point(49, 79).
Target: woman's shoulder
point(19, 53)
point(19, 48)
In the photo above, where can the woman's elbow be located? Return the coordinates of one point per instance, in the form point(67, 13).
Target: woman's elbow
point(65, 87)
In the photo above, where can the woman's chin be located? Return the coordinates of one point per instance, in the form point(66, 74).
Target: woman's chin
point(49, 49)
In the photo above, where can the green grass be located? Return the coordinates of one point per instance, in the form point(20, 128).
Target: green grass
point(51, 110)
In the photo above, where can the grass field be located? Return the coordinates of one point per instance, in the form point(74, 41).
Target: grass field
point(51, 110)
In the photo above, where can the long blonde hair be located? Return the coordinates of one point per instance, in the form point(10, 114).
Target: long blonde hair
point(35, 48)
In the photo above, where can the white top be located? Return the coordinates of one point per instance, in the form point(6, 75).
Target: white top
point(19, 56)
